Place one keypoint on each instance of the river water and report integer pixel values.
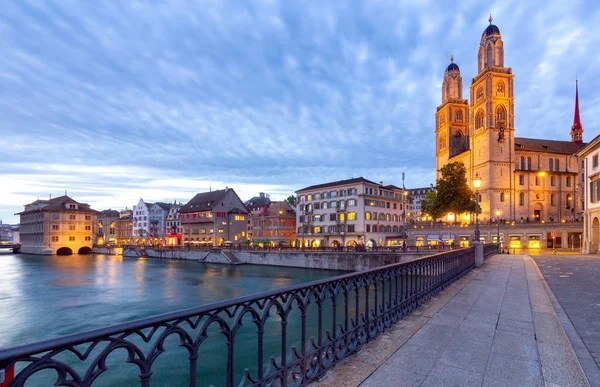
(44, 297)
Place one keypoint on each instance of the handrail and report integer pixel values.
(408, 285)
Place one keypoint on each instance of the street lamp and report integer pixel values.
(404, 195)
(498, 222)
(477, 185)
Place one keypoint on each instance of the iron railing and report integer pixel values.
(315, 325)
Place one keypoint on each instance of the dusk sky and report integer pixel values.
(117, 100)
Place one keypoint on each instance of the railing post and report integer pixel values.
(7, 375)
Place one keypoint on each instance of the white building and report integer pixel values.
(174, 230)
(141, 222)
(590, 179)
(350, 212)
(413, 206)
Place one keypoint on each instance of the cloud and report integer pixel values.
(163, 100)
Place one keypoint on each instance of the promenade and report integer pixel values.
(495, 327)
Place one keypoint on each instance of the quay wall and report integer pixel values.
(307, 259)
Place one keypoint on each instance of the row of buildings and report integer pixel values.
(522, 179)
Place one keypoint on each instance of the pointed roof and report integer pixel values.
(576, 129)
(204, 201)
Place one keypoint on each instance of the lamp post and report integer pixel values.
(477, 185)
(498, 222)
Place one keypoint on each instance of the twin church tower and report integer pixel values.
(522, 178)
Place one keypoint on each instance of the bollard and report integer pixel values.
(7, 376)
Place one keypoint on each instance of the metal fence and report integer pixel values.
(316, 325)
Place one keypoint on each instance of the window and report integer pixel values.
(55, 227)
(553, 181)
(569, 199)
(550, 164)
(71, 239)
(479, 119)
(568, 181)
(317, 206)
(332, 217)
(529, 163)
(521, 199)
(500, 87)
(72, 227)
(537, 180)
(88, 238)
(342, 217)
(351, 202)
(368, 228)
(88, 217)
(459, 116)
(239, 217)
(556, 164)
(522, 162)
(72, 217)
(55, 239)
(367, 215)
(374, 216)
(502, 196)
(521, 179)
(350, 228)
(553, 199)
(500, 114)
(480, 93)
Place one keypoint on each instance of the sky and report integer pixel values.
(119, 100)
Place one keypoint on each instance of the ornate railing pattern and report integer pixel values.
(316, 324)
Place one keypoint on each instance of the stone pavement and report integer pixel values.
(574, 281)
(495, 327)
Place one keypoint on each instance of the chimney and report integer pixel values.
(261, 194)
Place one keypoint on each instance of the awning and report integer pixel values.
(433, 237)
(448, 236)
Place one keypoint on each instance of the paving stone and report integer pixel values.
(505, 370)
(392, 377)
(414, 358)
(435, 336)
(467, 354)
(515, 344)
(445, 375)
(560, 366)
(476, 331)
(486, 317)
(516, 311)
(506, 324)
(548, 329)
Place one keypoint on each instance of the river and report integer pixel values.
(43, 297)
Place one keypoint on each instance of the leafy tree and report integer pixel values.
(291, 199)
(452, 194)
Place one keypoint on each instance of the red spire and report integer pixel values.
(576, 129)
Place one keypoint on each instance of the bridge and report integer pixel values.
(15, 247)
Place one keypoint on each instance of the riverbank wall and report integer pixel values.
(315, 260)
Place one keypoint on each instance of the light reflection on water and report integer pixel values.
(43, 297)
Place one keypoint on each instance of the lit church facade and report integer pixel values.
(522, 178)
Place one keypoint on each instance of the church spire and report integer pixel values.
(576, 129)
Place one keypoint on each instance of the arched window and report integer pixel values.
(479, 93)
(500, 87)
(459, 116)
(550, 164)
(529, 163)
(479, 120)
(556, 165)
(537, 180)
(488, 56)
(502, 196)
(388, 217)
(395, 229)
(367, 215)
(522, 162)
(521, 179)
(395, 219)
(500, 113)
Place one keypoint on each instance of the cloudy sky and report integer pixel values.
(117, 100)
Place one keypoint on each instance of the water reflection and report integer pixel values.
(43, 297)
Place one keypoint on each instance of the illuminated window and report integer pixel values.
(367, 215)
(317, 229)
(352, 216)
(342, 217)
(239, 217)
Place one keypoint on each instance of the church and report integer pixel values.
(522, 179)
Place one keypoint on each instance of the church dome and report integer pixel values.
(452, 67)
(490, 30)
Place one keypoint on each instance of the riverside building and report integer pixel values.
(350, 212)
(524, 179)
(57, 226)
(214, 218)
(275, 225)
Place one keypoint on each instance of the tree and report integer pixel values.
(452, 194)
(291, 199)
